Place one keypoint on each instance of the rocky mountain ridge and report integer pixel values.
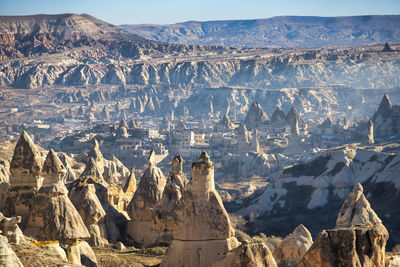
(78, 36)
(284, 31)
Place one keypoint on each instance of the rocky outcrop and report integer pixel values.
(87, 256)
(92, 169)
(72, 166)
(4, 171)
(359, 238)
(52, 215)
(293, 247)
(83, 196)
(356, 211)
(130, 185)
(53, 170)
(255, 116)
(141, 208)
(7, 255)
(203, 232)
(9, 228)
(112, 171)
(294, 115)
(386, 119)
(163, 219)
(26, 164)
(369, 133)
(355, 246)
(278, 117)
(253, 254)
(224, 124)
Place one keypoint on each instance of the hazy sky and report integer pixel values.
(171, 11)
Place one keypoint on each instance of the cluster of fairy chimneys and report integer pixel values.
(256, 116)
(39, 199)
(189, 215)
(28, 169)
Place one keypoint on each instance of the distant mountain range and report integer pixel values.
(25, 36)
(286, 31)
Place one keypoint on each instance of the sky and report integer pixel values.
(171, 11)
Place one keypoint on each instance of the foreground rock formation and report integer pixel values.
(359, 238)
(39, 196)
(293, 247)
(203, 232)
(7, 255)
(84, 198)
(26, 164)
(52, 215)
(163, 218)
(141, 208)
(253, 254)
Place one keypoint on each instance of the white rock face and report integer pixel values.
(332, 171)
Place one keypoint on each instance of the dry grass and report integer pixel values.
(32, 255)
(109, 257)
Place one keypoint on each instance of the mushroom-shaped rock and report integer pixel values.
(203, 232)
(26, 164)
(53, 170)
(356, 210)
(294, 246)
(249, 254)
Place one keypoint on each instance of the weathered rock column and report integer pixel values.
(203, 232)
(25, 180)
(359, 238)
(141, 208)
